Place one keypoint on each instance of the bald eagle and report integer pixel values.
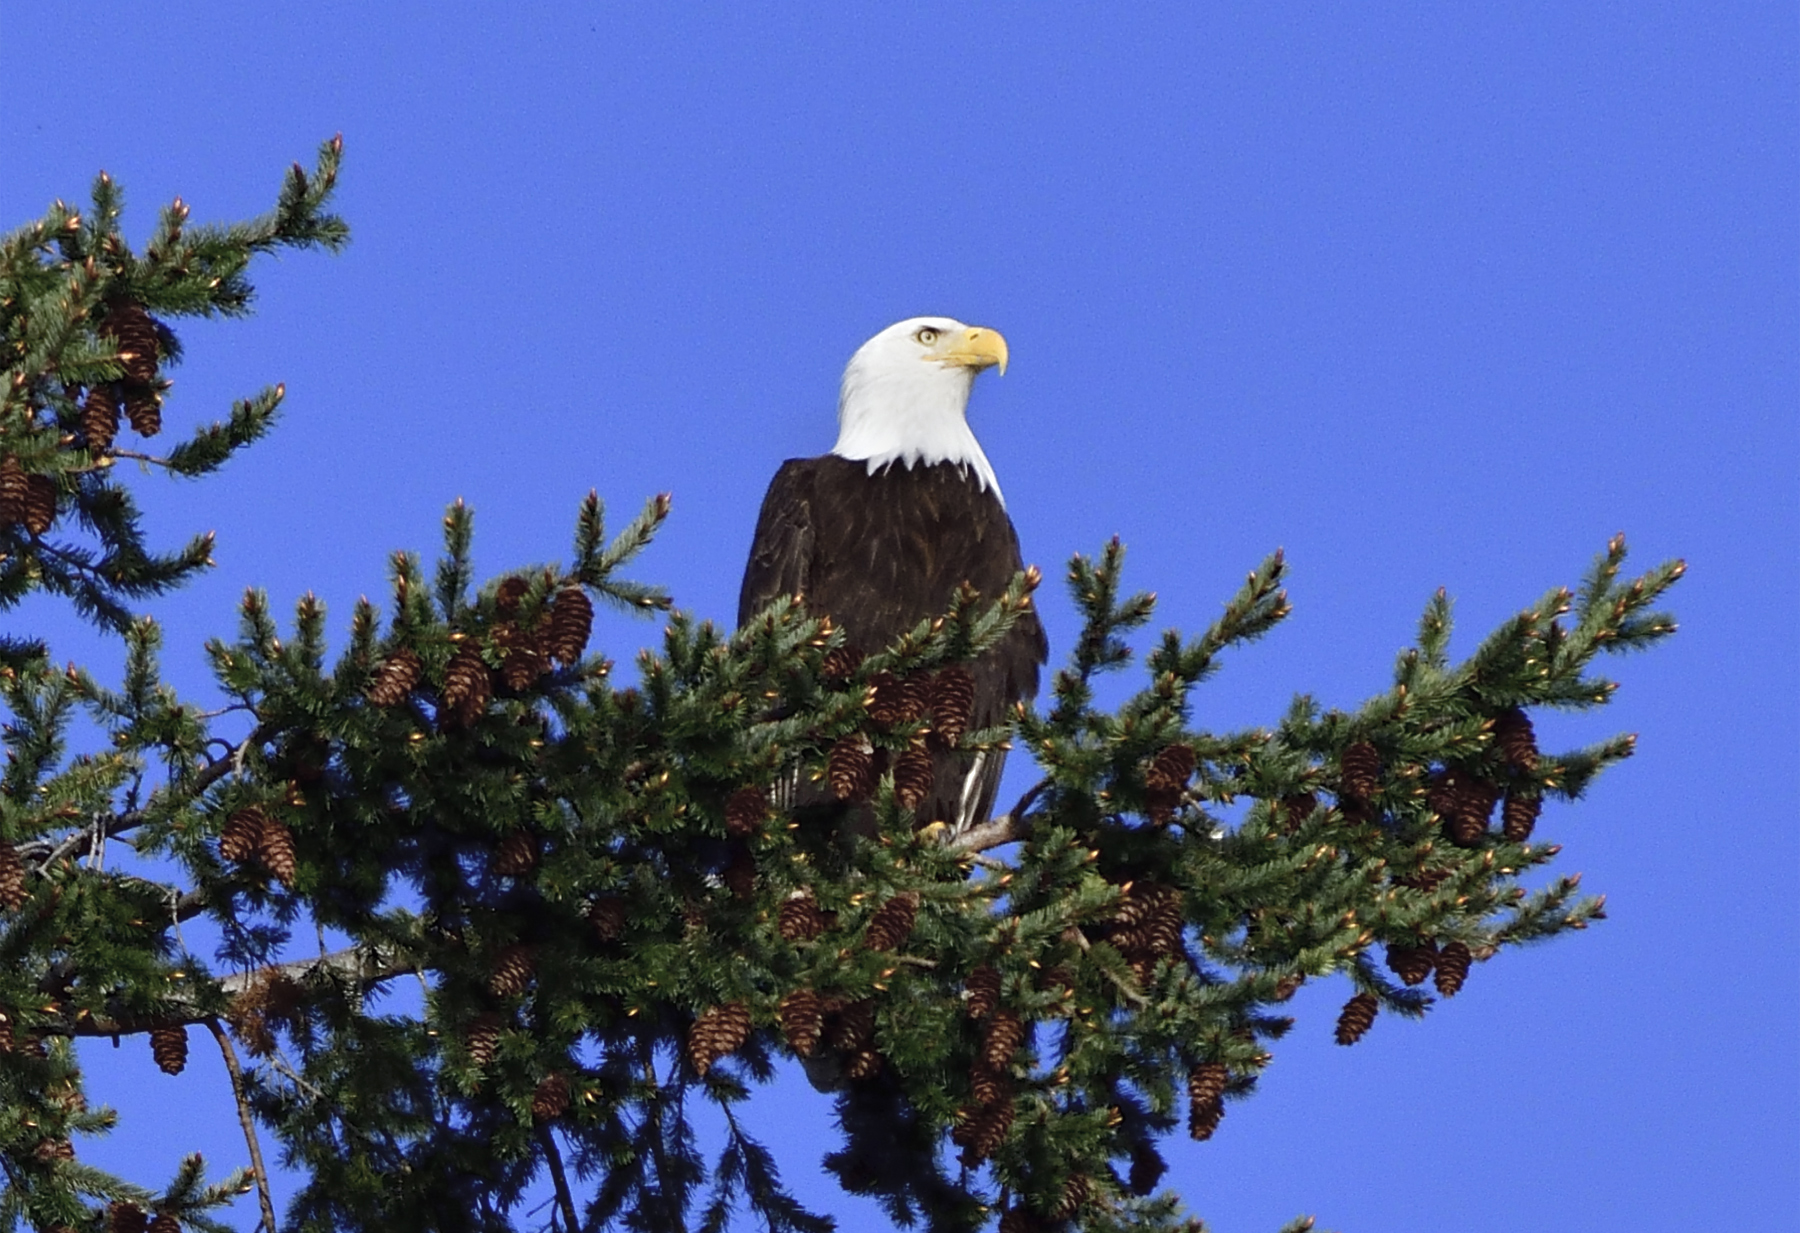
(880, 533)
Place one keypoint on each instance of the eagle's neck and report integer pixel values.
(916, 414)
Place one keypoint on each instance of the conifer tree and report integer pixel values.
(584, 869)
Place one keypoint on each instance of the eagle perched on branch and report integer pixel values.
(880, 533)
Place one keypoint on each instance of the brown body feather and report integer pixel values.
(878, 554)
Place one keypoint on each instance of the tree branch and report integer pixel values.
(249, 1123)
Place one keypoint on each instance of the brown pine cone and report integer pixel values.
(952, 703)
(1518, 817)
(522, 658)
(984, 1131)
(169, 1046)
(1516, 740)
(893, 922)
(851, 769)
(570, 624)
(1359, 769)
(607, 915)
(718, 1031)
(100, 418)
(1018, 1220)
(745, 811)
(984, 992)
(1296, 809)
(275, 849)
(1412, 964)
(1452, 968)
(800, 918)
(802, 1018)
(1004, 1036)
(6, 1035)
(1464, 803)
(1075, 1195)
(988, 1086)
(467, 687)
(482, 1040)
(1171, 768)
(515, 855)
(840, 663)
(15, 488)
(144, 409)
(863, 1064)
(853, 1026)
(899, 701)
(1288, 985)
(40, 504)
(126, 1218)
(48, 1150)
(135, 334)
(164, 1222)
(1357, 1017)
(912, 778)
(398, 674)
(1204, 1117)
(551, 1099)
(510, 594)
(1206, 1081)
(242, 835)
(12, 878)
(513, 969)
(740, 872)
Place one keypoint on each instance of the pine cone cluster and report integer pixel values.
(126, 1218)
(718, 1031)
(1518, 817)
(899, 700)
(1206, 1098)
(1359, 770)
(1412, 964)
(1516, 740)
(1147, 926)
(893, 922)
(571, 622)
(169, 1046)
(26, 499)
(100, 418)
(515, 855)
(251, 833)
(396, 679)
(912, 778)
(1464, 803)
(513, 969)
(802, 1016)
(1452, 968)
(851, 769)
(467, 687)
(1167, 775)
(952, 704)
(12, 878)
(984, 992)
(745, 811)
(135, 334)
(981, 1129)
(551, 1099)
(1357, 1017)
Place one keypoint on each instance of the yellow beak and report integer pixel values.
(977, 347)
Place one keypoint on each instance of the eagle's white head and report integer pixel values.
(906, 392)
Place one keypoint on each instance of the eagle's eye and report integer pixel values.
(926, 335)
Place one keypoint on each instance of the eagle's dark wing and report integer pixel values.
(781, 553)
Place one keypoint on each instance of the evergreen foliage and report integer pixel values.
(608, 917)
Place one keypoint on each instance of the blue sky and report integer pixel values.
(1426, 295)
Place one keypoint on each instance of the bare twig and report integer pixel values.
(564, 1199)
(249, 1123)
